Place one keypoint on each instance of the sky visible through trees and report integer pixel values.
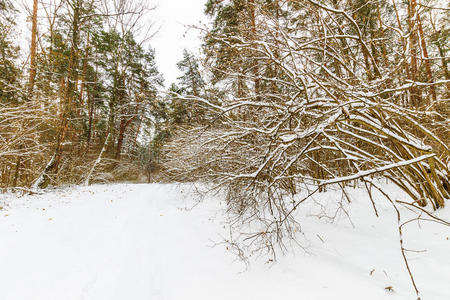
(273, 102)
(170, 34)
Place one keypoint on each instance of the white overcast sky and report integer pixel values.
(171, 17)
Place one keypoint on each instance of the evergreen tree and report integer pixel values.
(229, 64)
(132, 82)
(191, 81)
(9, 72)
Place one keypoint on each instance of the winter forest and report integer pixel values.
(290, 109)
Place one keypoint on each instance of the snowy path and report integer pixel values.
(137, 242)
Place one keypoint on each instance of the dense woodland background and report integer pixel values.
(287, 98)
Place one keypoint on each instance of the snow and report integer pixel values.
(143, 241)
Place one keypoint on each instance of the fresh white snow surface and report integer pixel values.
(139, 241)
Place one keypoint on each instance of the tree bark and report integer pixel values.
(412, 20)
(252, 10)
(97, 161)
(33, 50)
(425, 57)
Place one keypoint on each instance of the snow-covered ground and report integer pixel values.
(135, 242)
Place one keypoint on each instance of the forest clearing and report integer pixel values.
(128, 241)
(308, 140)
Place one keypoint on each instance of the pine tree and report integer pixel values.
(9, 71)
(191, 81)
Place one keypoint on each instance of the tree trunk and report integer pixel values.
(425, 57)
(412, 19)
(91, 113)
(123, 127)
(83, 76)
(17, 170)
(97, 161)
(120, 139)
(252, 9)
(33, 50)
